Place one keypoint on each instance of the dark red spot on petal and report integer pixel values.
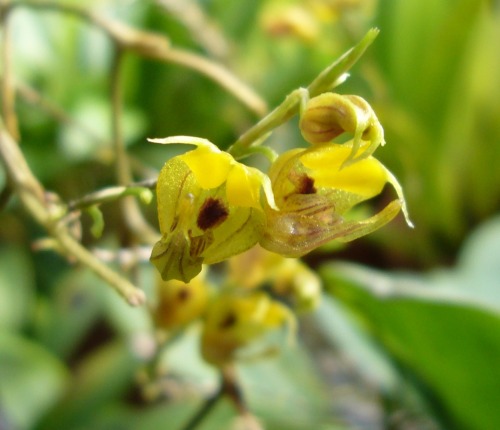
(212, 213)
(229, 321)
(305, 185)
(183, 294)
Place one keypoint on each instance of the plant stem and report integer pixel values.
(230, 388)
(205, 409)
(153, 46)
(8, 93)
(32, 196)
(329, 78)
(111, 194)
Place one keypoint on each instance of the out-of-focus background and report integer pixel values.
(408, 333)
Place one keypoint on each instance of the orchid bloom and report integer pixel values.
(209, 208)
(314, 192)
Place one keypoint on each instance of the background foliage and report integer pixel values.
(409, 333)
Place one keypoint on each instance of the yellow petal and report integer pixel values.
(209, 165)
(179, 303)
(243, 186)
(365, 177)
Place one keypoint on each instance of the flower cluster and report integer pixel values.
(212, 207)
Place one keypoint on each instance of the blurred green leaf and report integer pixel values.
(172, 415)
(16, 287)
(63, 320)
(31, 380)
(448, 341)
(368, 357)
(437, 96)
(285, 392)
(89, 136)
(101, 377)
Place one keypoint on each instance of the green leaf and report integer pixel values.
(16, 287)
(31, 380)
(449, 342)
(285, 392)
(100, 379)
(63, 320)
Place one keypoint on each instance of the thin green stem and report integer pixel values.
(230, 388)
(7, 84)
(329, 78)
(110, 194)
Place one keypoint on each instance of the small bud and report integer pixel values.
(329, 115)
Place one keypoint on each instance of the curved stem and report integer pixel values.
(112, 193)
(328, 79)
(32, 196)
(154, 46)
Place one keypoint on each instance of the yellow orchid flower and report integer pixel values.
(313, 192)
(236, 322)
(209, 208)
(329, 115)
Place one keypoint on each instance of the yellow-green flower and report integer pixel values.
(314, 193)
(209, 208)
(179, 303)
(235, 323)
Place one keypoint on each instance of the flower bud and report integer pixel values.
(329, 115)
(289, 278)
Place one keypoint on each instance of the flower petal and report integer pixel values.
(209, 165)
(243, 186)
(365, 177)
